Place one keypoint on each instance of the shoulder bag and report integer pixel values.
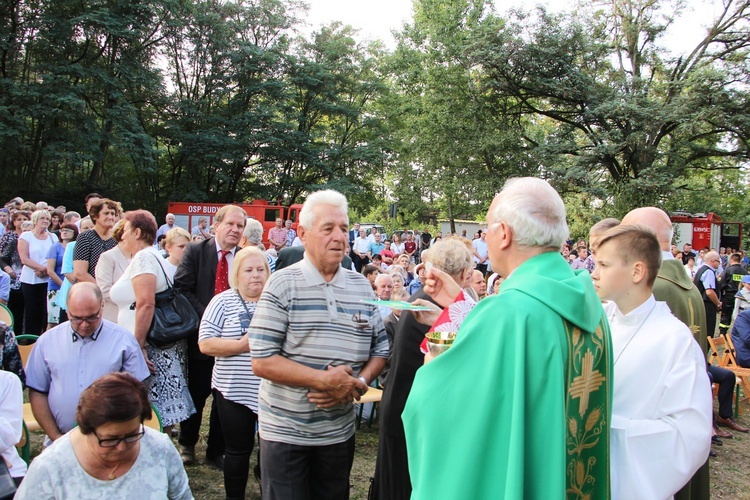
(174, 317)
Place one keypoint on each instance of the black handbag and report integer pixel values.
(174, 317)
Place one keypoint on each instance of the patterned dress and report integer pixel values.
(168, 389)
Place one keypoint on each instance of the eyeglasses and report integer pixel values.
(112, 442)
(89, 319)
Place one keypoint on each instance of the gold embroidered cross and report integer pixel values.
(586, 383)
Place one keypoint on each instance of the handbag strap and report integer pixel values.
(166, 278)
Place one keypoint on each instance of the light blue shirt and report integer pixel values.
(63, 364)
(67, 267)
(4, 285)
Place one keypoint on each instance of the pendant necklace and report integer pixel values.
(112, 472)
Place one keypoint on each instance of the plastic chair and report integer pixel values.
(6, 316)
(24, 445)
(155, 421)
(25, 344)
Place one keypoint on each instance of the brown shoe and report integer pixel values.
(729, 422)
(722, 434)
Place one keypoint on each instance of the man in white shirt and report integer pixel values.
(662, 412)
(481, 253)
(359, 250)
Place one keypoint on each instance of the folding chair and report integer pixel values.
(742, 374)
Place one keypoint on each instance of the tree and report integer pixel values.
(628, 120)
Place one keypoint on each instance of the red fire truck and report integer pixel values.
(186, 214)
(705, 231)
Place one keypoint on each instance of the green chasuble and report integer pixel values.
(519, 406)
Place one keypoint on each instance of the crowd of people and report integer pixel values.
(583, 363)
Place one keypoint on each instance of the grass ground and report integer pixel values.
(729, 478)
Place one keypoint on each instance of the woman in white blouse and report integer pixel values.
(33, 247)
(223, 334)
(134, 293)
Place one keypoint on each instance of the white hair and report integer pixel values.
(326, 197)
(253, 230)
(534, 211)
(382, 277)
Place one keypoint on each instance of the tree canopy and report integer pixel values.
(207, 100)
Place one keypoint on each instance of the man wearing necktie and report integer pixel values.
(203, 272)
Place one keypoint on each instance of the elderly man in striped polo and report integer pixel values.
(317, 347)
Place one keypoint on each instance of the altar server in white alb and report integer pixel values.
(661, 410)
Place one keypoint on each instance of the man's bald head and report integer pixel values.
(84, 292)
(654, 218)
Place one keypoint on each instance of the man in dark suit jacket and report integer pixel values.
(353, 233)
(292, 255)
(196, 278)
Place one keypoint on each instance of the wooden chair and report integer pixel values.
(25, 344)
(730, 363)
(6, 316)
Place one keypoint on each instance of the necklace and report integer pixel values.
(634, 333)
(111, 475)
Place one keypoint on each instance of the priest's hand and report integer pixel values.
(440, 286)
(426, 317)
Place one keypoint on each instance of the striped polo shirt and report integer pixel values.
(317, 324)
(226, 317)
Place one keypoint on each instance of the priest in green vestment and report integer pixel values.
(519, 406)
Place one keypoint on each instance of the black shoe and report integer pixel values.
(712, 454)
(717, 441)
(217, 461)
(187, 453)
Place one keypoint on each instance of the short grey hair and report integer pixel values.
(253, 231)
(382, 277)
(534, 211)
(451, 256)
(326, 197)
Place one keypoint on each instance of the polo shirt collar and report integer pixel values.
(313, 276)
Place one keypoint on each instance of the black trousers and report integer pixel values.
(16, 306)
(710, 318)
(392, 480)
(199, 385)
(297, 472)
(35, 308)
(727, 308)
(726, 380)
(238, 425)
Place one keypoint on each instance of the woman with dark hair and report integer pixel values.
(33, 247)
(56, 220)
(55, 314)
(111, 454)
(134, 293)
(91, 244)
(11, 264)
